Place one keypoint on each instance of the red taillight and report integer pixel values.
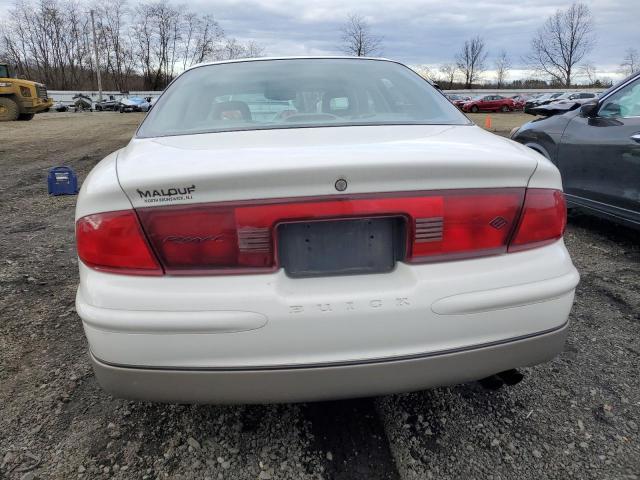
(114, 242)
(466, 224)
(240, 237)
(208, 238)
(543, 219)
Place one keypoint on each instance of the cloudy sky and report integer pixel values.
(417, 32)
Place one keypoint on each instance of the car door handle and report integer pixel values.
(636, 137)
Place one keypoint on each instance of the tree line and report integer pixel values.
(140, 48)
(558, 55)
(143, 47)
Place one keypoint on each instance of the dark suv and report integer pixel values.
(596, 146)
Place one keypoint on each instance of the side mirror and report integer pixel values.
(589, 109)
(437, 86)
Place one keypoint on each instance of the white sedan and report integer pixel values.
(314, 228)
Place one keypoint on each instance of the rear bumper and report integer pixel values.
(272, 385)
(272, 321)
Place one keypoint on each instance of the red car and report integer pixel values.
(489, 103)
(457, 100)
(519, 101)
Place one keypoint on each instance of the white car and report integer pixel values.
(314, 228)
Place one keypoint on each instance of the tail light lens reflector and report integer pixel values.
(466, 224)
(543, 219)
(114, 242)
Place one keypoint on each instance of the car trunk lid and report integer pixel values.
(324, 201)
(300, 162)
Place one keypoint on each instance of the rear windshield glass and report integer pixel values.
(266, 94)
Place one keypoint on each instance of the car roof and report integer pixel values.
(304, 57)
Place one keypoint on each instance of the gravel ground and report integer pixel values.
(575, 417)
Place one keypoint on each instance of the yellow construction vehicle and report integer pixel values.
(20, 99)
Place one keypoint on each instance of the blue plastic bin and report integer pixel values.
(62, 181)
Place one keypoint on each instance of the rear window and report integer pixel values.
(267, 94)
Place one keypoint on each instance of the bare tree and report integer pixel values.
(231, 50)
(357, 39)
(562, 42)
(115, 46)
(253, 50)
(141, 47)
(144, 38)
(201, 37)
(589, 72)
(424, 71)
(164, 18)
(171, 38)
(631, 62)
(206, 36)
(449, 71)
(503, 65)
(471, 60)
(46, 41)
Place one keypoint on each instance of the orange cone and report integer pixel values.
(487, 122)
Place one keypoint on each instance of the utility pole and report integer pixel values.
(95, 51)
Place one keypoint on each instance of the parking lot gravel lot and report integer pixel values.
(575, 417)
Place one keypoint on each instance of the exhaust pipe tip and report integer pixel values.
(491, 383)
(511, 377)
(508, 377)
